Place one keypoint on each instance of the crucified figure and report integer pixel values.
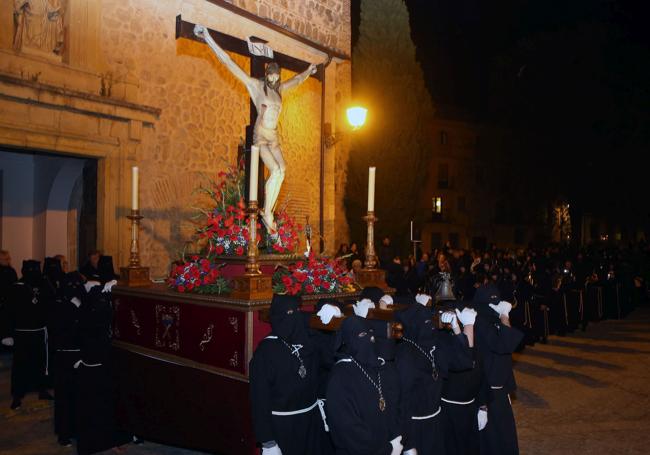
(266, 94)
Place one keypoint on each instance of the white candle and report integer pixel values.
(134, 188)
(411, 230)
(371, 189)
(252, 185)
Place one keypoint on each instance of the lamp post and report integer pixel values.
(356, 116)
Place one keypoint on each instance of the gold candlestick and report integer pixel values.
(252, 267)
(253, 284)
(370, 275)
(371, 257)
(134, 258)
(135, 275)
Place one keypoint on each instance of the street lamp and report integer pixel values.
(356, 116)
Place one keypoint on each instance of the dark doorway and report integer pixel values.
(88, 212)
(48, 205)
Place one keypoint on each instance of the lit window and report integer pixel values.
(437, 204)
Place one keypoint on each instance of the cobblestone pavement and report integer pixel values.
(585, 393)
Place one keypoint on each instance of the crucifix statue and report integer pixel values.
(266, 95)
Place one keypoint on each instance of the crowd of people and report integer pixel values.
(555, 290)
(441, 387)
(58, 324)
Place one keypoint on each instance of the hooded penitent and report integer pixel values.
(359, 341)
(286, 319)
(418, 325)
(31, 272)
(373, 293)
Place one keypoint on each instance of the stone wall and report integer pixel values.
(132, 55)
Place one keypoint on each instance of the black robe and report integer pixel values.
(64, 331)
(96, 430)
(358, 426)
(7, 279)
(422, 423)
(27, 312)
(276, 386)
(495, 344)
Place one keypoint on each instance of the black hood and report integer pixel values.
(373, 293)
(73, 285)
(31, 272)
(359, 341)
(286, 319)
(418, 325)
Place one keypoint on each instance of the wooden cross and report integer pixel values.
(258, 63)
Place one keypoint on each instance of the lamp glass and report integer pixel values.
(357, 116)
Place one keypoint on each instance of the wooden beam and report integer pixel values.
(278, 28)
(185, 30)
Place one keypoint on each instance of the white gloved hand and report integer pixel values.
(411, 452)
(482, 419)
(503, 308)
(423, 299)
(361, 308)
(327, 312)
(8, 341)
(275, 450)
(75, 301)
(91, 284)
(397, 446)
(467, 316)
(109, 285)
(449, 317)
(385, 302)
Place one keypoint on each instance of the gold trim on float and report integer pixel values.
(180, 361)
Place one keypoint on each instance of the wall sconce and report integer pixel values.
(356, 118)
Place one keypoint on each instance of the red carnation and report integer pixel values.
(218, 249)
(239, 250)
(309, 288)
(181, 288)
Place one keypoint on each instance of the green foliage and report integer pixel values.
(397, 138)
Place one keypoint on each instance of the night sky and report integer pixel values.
(571, 79)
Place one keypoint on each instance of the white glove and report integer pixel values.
(397, 446)
(411, 452)
(467, 316)
(76, 301)
(327, 312)
(503, 308)
(482, 419)
(385, 302)
(361, 308)
(423, 299)
(275, 450)
(8, 341)
(449, 317)
(109, 285)
(91, 284)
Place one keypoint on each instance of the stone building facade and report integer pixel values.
(107, 80)
(472, 198)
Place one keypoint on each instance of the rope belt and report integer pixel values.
(47, 349)
(462, 403)
(81, 362)
(431, 416)
(321, 407)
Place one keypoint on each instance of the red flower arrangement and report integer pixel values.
(226, 228)
(285, 239)
(199, 275)
(313, 276)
